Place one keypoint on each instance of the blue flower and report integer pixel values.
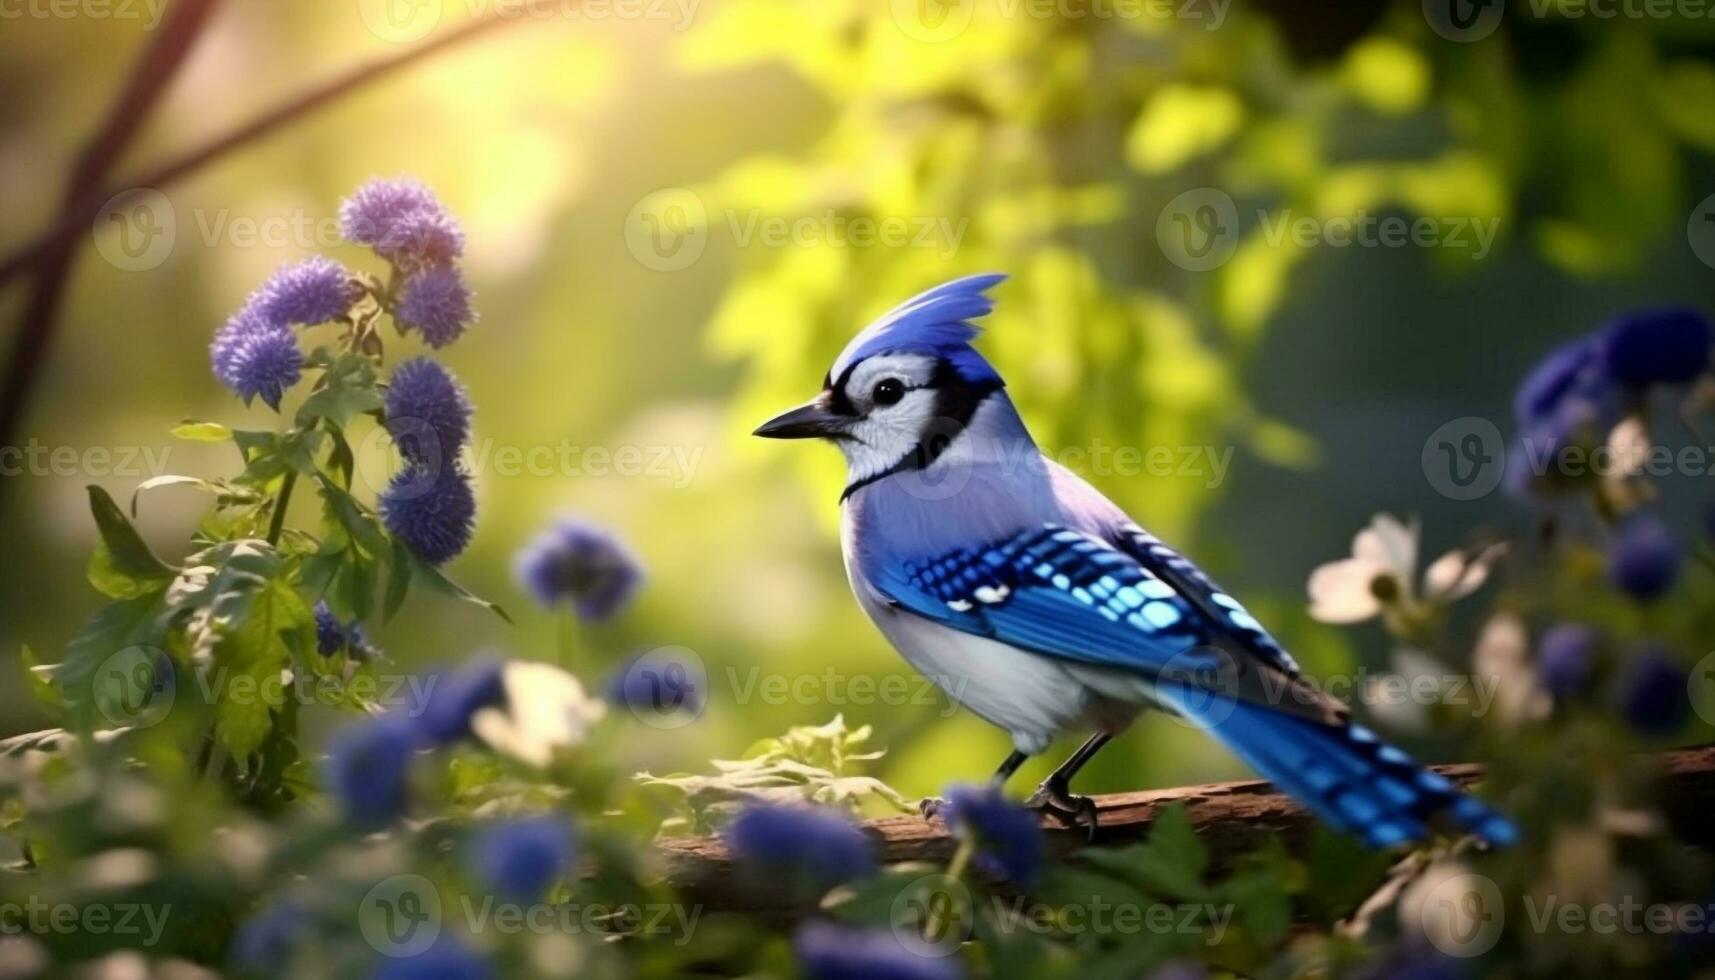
(580, 564)
(1573, 369)
(256, 359)
(436, 302)
(264, 942)
(421, 239)
(431, 510)
(428, 412)
(1664, 346)
(313, 291)
(657, 682)
(519, 859)
(374, 211)
(808, 845)
(1009, 837)
(1644, 558)
(830, 952)
(1566, 659)
(453, 697)
(446, 959)
(1653, 694)
(368, 767)
(330, 635)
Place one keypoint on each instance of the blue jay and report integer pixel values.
(1035, 602)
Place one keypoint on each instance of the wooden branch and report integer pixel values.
(1229, 817)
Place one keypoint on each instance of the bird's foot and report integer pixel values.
(930, 807)
(1058, 801)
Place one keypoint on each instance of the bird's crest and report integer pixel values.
(933, 322)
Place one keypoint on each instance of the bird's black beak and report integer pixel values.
(812, 420)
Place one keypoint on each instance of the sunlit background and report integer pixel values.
(665, 204)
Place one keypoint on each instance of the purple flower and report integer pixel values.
(313, 291)
(1572, 369)
(808, 845)
(330, 635)
(453, 697)
(519, 859)
(436, 302)
(580, 564)
(264, 942)
(1653, 695)
(422, 239)
(1664, 346)
(1566, 659)
(1644, 559)
(432, 510)
(428, 412)
(374, 211)
(256, 359)
(1009, 838)
(367, 768)
(447, 958)
(830, 952)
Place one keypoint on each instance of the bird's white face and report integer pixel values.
(892, 398)
(888, 413)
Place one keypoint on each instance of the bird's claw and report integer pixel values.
(1059, 802)
(930, 807)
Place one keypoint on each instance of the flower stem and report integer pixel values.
(566, 643)
(278, 522)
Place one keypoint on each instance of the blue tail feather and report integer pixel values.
(1344, 773)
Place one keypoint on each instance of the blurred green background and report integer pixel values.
(616, 167)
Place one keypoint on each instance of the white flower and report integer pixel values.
(1501, 660)
(546, 709)
(1382, 571)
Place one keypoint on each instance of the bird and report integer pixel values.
(1036, 603)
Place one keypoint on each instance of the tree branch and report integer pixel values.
(1229, 817)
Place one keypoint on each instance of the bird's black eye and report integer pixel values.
(888, 391)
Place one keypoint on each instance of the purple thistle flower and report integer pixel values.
(1644, 559)
(256, 359)
(313, 291)
(519, 859)
(1665, 346)
(330, 635)
(1566, 659)
(1653, 694)
(1572, 369)
(422, 239)
(367, 768)
(374, 211)
(581, 564)
(447, 957)
(807, 845)
(831, 952)
(264, 942)
(428, 412)
(454, 696)
(658, 682)
(1009, 838)
(436, 302)
(431, 510)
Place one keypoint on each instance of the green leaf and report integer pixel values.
(201, 431)
(40, 685)
(1170, 863)
(438, 581)
(122, 567)
(255, 651)
(351, 517)
(398, 580)
(126, 623)
(347, 390)
(223, 490)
